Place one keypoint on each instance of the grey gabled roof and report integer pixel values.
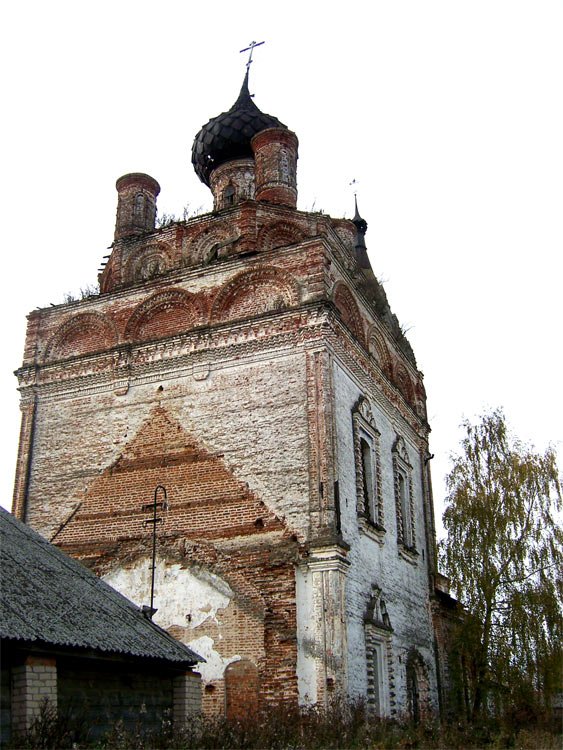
(47, 597)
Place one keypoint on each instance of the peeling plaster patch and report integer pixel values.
(185, 598)
(215, 664)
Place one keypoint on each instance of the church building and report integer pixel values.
(247, 361)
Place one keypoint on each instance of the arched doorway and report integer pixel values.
(242, 689)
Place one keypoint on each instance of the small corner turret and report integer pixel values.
(360, 245)
(136, 204)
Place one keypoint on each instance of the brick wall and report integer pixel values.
(242, 690)
(34, 686)
(99, 695)
(210, 513)
(186, 697)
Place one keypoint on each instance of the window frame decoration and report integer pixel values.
(379, 657)
(404, 497)
(369, 495)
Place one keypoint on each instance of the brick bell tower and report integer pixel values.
(246, 359)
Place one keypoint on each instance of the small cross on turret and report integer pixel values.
(251, 48)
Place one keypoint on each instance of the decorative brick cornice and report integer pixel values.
(180, 354)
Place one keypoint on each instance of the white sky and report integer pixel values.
(448, 113)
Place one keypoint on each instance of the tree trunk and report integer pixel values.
(482, 661)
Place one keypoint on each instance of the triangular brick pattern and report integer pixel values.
(208, 510)
(206, 501)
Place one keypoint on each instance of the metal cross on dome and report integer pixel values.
(251, 48)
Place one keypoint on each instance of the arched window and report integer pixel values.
(404, 496)
(139, 206)
(368, 477)
(379, 663)
(229, 196)
(368, 469)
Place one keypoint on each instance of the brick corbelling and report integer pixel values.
(43, 323)
(349, 311)
(342, 270)
(113, 277)
(116, 310)
(111, 363)
(226, 341)
(291, 258)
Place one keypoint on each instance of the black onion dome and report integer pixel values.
(227, 136)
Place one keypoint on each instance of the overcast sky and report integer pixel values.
(447, 113)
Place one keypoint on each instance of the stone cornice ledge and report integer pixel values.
(327, 557)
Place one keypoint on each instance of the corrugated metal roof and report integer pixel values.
(47, 596)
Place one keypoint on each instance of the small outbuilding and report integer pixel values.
(71, 641)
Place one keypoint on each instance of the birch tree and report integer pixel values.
(504, 554)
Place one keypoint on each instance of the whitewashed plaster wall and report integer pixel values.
(404, 584)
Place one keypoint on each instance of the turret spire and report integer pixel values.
(361, 229)
(245, 97)
(244, 100)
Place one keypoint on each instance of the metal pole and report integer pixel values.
(154, 521)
